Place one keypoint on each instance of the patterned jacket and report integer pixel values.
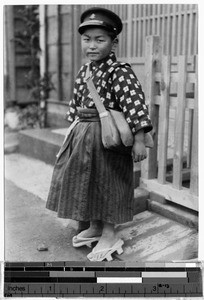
(118, 88)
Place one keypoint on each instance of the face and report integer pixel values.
(96, 44)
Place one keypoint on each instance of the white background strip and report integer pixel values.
(164, 274)
(119, 280)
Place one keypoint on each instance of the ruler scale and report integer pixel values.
(106, 279)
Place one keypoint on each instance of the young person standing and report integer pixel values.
(91, 183)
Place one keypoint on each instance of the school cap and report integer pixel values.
(100, 17)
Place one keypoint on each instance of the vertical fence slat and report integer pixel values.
(154, 19)
(144, 27)
(179, 28)
(139, 46)
(168, 33)
(195, 34)
(152, 55)
(194, 158)
(190, 30)
(148, 19)
(179, 123)
(190, 134)
(164, 119)
(185, 27)
(174, 32)
(129, 33)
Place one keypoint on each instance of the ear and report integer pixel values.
(114, 44)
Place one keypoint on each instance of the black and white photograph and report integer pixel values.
(101, 132)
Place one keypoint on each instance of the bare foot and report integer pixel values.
(108, 238)
(94, 230)
(106, 242)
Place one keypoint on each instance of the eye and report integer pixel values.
(85, 39)
(100, 40)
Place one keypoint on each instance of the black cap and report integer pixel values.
(100, 17)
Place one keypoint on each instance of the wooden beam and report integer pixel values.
(194, 152)
(182, 197)
(164, 119)
(152, 57)
(179, 125)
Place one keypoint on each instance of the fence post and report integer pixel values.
(152, 62)
(179, 123)
(164, 118)
(194, 153)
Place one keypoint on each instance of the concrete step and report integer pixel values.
(42, 144)
(11, 142)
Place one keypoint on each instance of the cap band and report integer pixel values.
(98, 23)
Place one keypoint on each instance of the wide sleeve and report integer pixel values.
(128, 92)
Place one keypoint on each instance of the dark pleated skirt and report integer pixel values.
(90, 182)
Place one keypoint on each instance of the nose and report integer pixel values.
(92, 45)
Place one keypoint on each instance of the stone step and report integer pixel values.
(11, 142)
(42, 144)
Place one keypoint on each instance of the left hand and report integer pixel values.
(139, 152)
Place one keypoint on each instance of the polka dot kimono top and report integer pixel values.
(118, 88)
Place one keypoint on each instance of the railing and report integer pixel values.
(172, 95)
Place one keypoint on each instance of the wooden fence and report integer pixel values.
(172, 87)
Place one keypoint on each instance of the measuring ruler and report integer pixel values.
(102, 279)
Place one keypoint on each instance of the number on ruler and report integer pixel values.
(101, 289)
(154, 289)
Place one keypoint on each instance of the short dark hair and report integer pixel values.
(112, 35)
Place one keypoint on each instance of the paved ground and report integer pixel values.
(149, 237)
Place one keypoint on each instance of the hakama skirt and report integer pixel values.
(90, 182)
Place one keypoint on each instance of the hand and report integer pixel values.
(139, 152)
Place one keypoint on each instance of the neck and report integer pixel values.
(98, 62)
